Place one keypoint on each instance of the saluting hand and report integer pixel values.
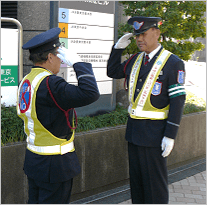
(67, 56)
(124, 41)
(167, 146)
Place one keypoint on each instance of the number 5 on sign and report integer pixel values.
(63, 15)
(64, 30)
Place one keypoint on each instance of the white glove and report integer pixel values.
(167, 145)
(67, 56)
(124, 41)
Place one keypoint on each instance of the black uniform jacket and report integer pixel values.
(149, 133)
(59, 168)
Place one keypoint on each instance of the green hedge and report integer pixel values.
(193, 104)
(12, 127)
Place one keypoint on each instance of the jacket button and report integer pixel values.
(138, 90)
(140, 80)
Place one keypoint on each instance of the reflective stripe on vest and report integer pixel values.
(39, 139)
(142, 108)
(53, 150)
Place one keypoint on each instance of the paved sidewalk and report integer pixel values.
(191, 190)
(187, 185)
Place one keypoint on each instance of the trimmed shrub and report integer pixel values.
(12, 127)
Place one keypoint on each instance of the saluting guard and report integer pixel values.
(155, 81)
(46, 104)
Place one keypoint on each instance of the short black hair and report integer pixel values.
(41, 57)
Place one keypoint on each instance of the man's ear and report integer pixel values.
(50, 57)
(158, 33)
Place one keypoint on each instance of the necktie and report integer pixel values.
(146, 60)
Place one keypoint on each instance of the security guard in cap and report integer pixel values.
(155, 79)
(46, 104)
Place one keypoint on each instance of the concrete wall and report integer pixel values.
(35, 19)
(191, 139)
(13, 180)
(103, 157)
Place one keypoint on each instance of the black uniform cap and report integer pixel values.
(142, 24)
(43, 42)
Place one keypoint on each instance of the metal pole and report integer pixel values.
(54, 14)
(20, 43)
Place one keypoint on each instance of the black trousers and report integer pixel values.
(148, 175)
(49, 193)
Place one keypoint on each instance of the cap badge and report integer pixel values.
(138, 25)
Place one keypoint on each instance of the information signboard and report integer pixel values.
(91, 34)
(87, 27)
(9, 66)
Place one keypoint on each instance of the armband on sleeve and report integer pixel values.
(176, 90)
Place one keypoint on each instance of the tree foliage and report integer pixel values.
(182, 22)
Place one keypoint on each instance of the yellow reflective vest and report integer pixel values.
(39, 139)
(141, 108)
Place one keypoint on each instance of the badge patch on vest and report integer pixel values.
(181, 75)
(157, 88)
(25, 96)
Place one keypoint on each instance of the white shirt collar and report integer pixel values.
(151, 55)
